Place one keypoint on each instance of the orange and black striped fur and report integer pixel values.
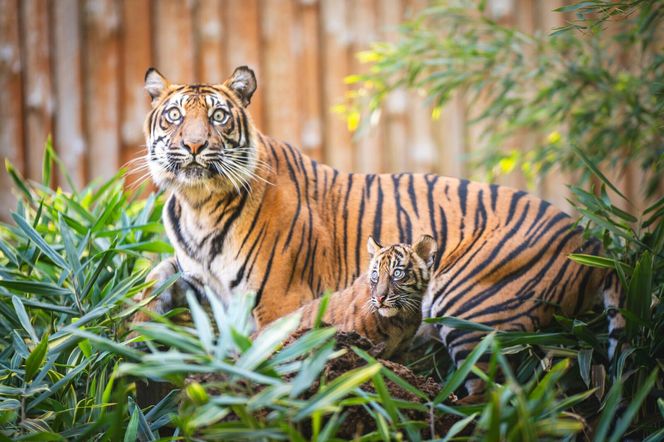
(248, 213)
(384, 304)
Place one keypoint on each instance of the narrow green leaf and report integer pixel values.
(462, 372)
(460, 324)
(633, 408)
(610, 407)
(591, 165)
(23, 318)
(132, 428)
(201, 321)
(36, 358)
(37, 239)
(337, 389)
(458, 427)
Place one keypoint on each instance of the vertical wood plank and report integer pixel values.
(37, 87)
(68, 137)
(210, 41)
(368, 145)
(243, 49)
(281, 52)
(396, 105)
(136, 59)
(450, 131)
(309, 76)
(335, 47)
(102, 89)
(174, 40)
(552, 187)
(11, 124)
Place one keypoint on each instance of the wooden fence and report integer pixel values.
(74, 69)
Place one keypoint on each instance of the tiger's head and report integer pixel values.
(399, 275)
(201, 134)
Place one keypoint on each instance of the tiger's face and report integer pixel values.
(399, 275)
(201, 134)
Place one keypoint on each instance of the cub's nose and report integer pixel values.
(381, 298)
(194, 146)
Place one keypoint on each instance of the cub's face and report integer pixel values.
(399, 275)
(201, 134)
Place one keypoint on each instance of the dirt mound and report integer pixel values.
(357, 420)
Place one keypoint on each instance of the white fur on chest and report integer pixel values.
(219, 272)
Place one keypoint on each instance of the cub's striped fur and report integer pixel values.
(250, 214)
(385, 303)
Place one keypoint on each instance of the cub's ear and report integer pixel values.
(242, 83)
(155, 84)
(426, 249)
(373, 246)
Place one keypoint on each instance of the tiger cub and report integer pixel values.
(383, 304)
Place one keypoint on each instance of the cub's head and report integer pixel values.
(201, 134)
(399, 275)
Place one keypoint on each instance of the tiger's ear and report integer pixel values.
(373, 246)
(155, 84)
(426, 249)
(242, 83)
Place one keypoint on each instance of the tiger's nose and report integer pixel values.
(381, 298)
(194, 146)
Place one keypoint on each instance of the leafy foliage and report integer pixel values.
(596, 83)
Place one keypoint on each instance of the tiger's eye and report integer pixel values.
(398, 274)
(173, 114)
(374, 276)
(220, 116)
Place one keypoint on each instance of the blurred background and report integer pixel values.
(74, 69)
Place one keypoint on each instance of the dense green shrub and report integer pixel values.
(597, 83)
(71, 262)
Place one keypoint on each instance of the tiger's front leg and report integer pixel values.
(171, 297)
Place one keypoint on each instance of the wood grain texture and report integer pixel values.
(37, 85)
(11, 112)
(102, 91)
(68, 137)
(136, 58)
(75, 68)
(243, 48)
(281, 57)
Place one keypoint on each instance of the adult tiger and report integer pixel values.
(248, 213)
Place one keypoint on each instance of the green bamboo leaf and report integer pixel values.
(458, 427)
(322, 308)
(36, 358)
(584, 358)
(47, 162)
(268, 340)
(155, 246)
(460, 324)
(591, 165)
(639, 293)
(132, 428)
(462, 372)
(24, 318)
(593, 261)
(337, 389)
(37, 239)
(19, 181)
(311, 369)
(201, 322)
(633, 408)
(610, 407)
(35, 288)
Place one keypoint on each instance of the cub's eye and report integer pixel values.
(397, 274)
(220, 116)
(374, 276)
(173, 114)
